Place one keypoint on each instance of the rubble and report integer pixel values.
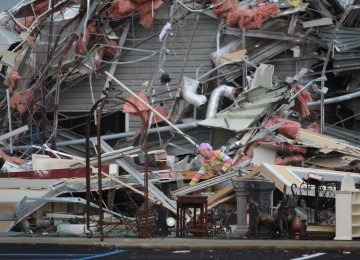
(110, 101)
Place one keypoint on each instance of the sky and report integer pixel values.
(7, 4)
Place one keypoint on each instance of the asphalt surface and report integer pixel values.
(80, 252)
(175, 243)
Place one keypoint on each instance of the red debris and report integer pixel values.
(120, 8)
(26, 22)
(127, 108)
(83, 41)
(13, 78)
(11, 159)
(245, 18)
(289, 128)
(314, 127)
(292, 148)
(301, 101)
(22, 101)
(41, 7)
(162, 111)
(146, 8)
(289, 160)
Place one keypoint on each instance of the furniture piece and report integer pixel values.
(197, 225)
(347, 210)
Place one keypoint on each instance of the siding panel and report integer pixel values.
(136, 73)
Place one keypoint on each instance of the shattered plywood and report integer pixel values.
(326, 144)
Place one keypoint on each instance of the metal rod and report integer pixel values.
(106, 137)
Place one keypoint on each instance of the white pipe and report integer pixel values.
(151, 108)
(189, 87)
(217, 93)
(335, 99)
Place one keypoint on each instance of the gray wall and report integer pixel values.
(133, 75)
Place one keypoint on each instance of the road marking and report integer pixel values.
(181, 252)
(308, 256)
(62, 256)
(46, 256)
(103, 255)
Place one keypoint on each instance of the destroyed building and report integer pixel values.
(104, 102)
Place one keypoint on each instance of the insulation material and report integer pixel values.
(13, 78)
(83, 41)
(292, 149)
(247, 18)
(110, 51)
(162, 111)
(146, 19)
(25, 22)
(41, 7)
(289, 160)
(314, 127)
(127, 108)
(301, 101)
(147, 10)
(11, 159)
(289, 128)
(98, 57)
(224, 9)
(22, 101)
(120, 8)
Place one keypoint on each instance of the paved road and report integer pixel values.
(43, 251)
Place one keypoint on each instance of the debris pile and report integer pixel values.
(105, 106)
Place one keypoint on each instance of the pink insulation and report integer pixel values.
(162, 111)
(301, 101)
(110, 51)
(292, 148)
(289, 160)
(225, 8)
(127, 108)
(13, 78)
(22, 101)
(26, 22)
(11, 159)
(146, 8)
(83, 41)
(245, 18)
(41, 7)
(314, 127)
(120, 8)
(289, 128)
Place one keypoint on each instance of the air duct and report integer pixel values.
(189, 87)
(220, 91)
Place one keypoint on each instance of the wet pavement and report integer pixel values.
(145, 249)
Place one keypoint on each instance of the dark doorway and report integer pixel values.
(76, 121)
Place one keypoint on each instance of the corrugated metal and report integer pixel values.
(239, 118)
(343, 134)
(235, 120)
(134, 75)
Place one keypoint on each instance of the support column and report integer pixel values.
(241, 207)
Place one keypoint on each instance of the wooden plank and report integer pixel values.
(221, 201)
(220, 194)
(188, 175)
(228, 189)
